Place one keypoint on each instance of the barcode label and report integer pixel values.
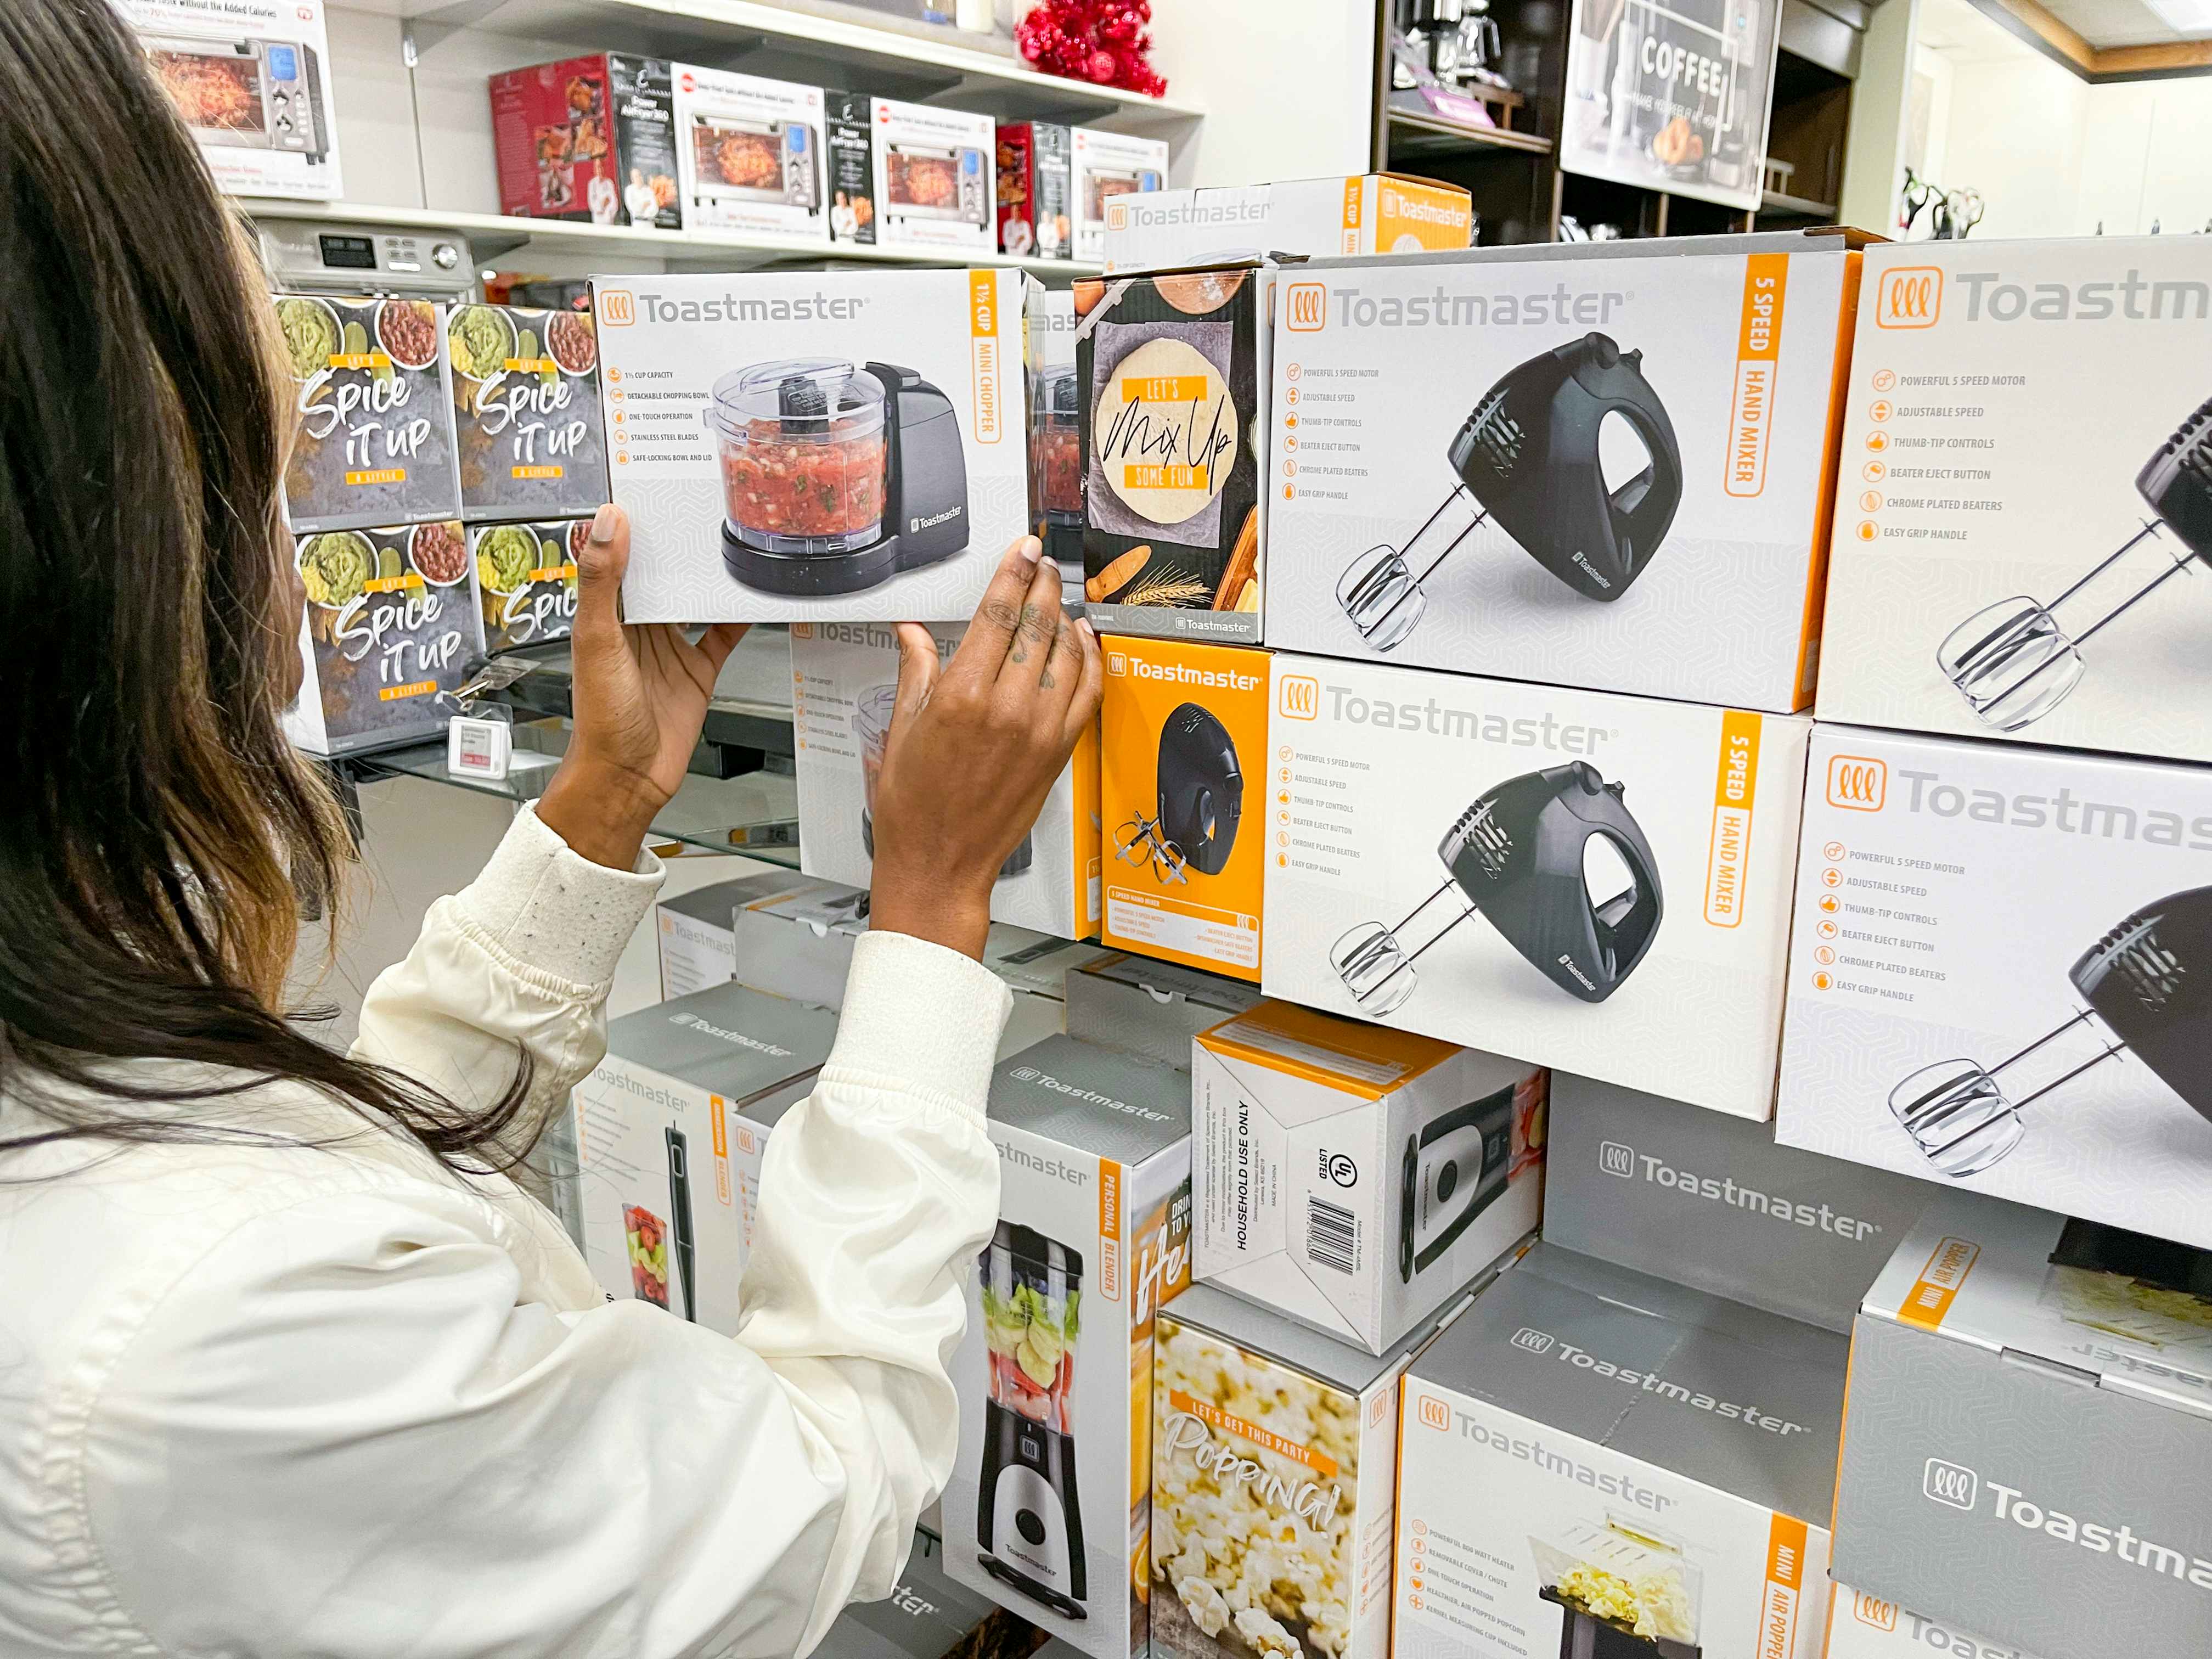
(1332, 1234)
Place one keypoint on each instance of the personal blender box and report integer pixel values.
(849, 149)
(1103, 167)
(1035, 216)
(1588, 881)
(696, 934)
(590, 137)
(1624, 484)
(251, 80)
(749, 155)
(2029, 1432)
(374, 418)
(2028, 468)
(1149, 1006)
(1275, 1469)
(1594, 1461)
(845, 688)
(1056, 437)
(1363, 213)
(1048, 1509)
(655, 1132)
(1173, 374)
(525, 579)
(815, 445)
(1862, 1626)
(1713, 1202)
(1180, 725)
(389, 629)
(1993, 970)
(934, 185)
(1352, 1177)
(527, 416)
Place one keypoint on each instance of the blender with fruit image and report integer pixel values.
(646, 1236)
(1028, 1520)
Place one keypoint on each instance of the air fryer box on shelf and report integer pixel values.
(1363, 213)
(2029, 1433)
(849, 149)
(1991, 973)
(1595, 1461)
(1149, 1007)
(590, 137)
(1049, 1505)
(1275, 1465)
(1585, 880)
(251, 79)
(390, 627)
(1861, 1626)
(1182, 728)
(1036, 217)
(845, 686)
(933, 177)
(1103, 167)
(749, 152)
(1710, 1201)
(2028, 451)
(657, 1123)
(1353, 1178)
(813, 444)
(374, 439)
(697, 932)
(525, 579)
(1623, 484)
(527, 419)
(1172, 369)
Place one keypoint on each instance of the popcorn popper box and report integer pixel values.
(1596, 1462)
(375, 420)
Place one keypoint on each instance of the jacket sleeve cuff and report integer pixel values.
(922, 1016)
(555, 911)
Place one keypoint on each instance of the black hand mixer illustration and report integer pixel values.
(2148, 985)
(1199, 800)
(1516, 855)
(2015, 661)
(1527, 456)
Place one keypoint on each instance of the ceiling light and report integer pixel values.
(2184, 16)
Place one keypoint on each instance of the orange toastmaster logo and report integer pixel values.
(1309, 306)
(1435, 1412)
(618, 309)
(1910, 296)
(1301, 697)
(1857, 783)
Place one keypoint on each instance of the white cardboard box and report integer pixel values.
(742, 507)
(1957, 904)
(251, 79)
(936, 173)
(1149, 1007)
(749, 154)
(1354, 1178)
(1603, 465)
(1105, 166)
(1632, 859)
(2012, 413)
(1362, 212)
(1861, 1626)
(697, 932)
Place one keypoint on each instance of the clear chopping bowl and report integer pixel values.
(1056, 443)
(801, 442)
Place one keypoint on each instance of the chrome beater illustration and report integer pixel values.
(1199, 800)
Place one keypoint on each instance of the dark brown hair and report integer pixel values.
(155, 817)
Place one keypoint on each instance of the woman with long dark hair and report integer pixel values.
(288, 1363)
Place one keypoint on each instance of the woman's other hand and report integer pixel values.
(975, 747)
(640, 701)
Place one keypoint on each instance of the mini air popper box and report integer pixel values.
(2025, 499)
(1996, 971)
(1363, 213)
(251, 79)
(1603, 1465)
(1353, 1178)
(1182, 729)
(1604, 466)
(845, 689)
(1584, 880)
(1048, 1509)
(845, 445)
(749, 154)
(1862, 1626)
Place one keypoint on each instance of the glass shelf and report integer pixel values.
(750, 707)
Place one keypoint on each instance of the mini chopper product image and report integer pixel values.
(1029, 1523)
(1637, 443)
(251, 79)
(1527, 456)
(1631, 859)
(1198, 801)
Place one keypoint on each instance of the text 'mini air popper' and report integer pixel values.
(1029, 1523)
(1527, 456)
(1198, 804)
(1522, 856)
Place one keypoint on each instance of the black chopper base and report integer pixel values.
(1060, 1604)
(823, 572)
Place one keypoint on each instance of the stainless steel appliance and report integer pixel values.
(315, 256)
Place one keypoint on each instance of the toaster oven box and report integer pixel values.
(1991, 969)
(374, 430)
(845, 686)
(590, 137)
(251, 79)
(932, 176)
(526, 415)
(1628, 487)
(655, 1135)
(1048, 1509)
(389, 629)
(1352, 1177)
(1275, 1465)
(1361, 213)
(1149, 1007)
(696, 932)
(1596, 1462)
(1173, 372)
(525, 579)
(749, 155)
(807, 445)
(1103, 167)
(1588, 881)
(2027, 452)
(1179, 728)
(2029, 1433)
(1862, 1626)
(1035, 214)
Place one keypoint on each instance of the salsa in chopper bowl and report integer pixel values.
(801, 444)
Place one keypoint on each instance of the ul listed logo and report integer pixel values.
(1857, 783)
(1951, 1484)
(1339, 1168)
(1616, 1158)
(1308, 304)
(1910, 296)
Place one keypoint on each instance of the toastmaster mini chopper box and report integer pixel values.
(1182, 728)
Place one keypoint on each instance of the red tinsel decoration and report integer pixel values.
(1103, 41)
